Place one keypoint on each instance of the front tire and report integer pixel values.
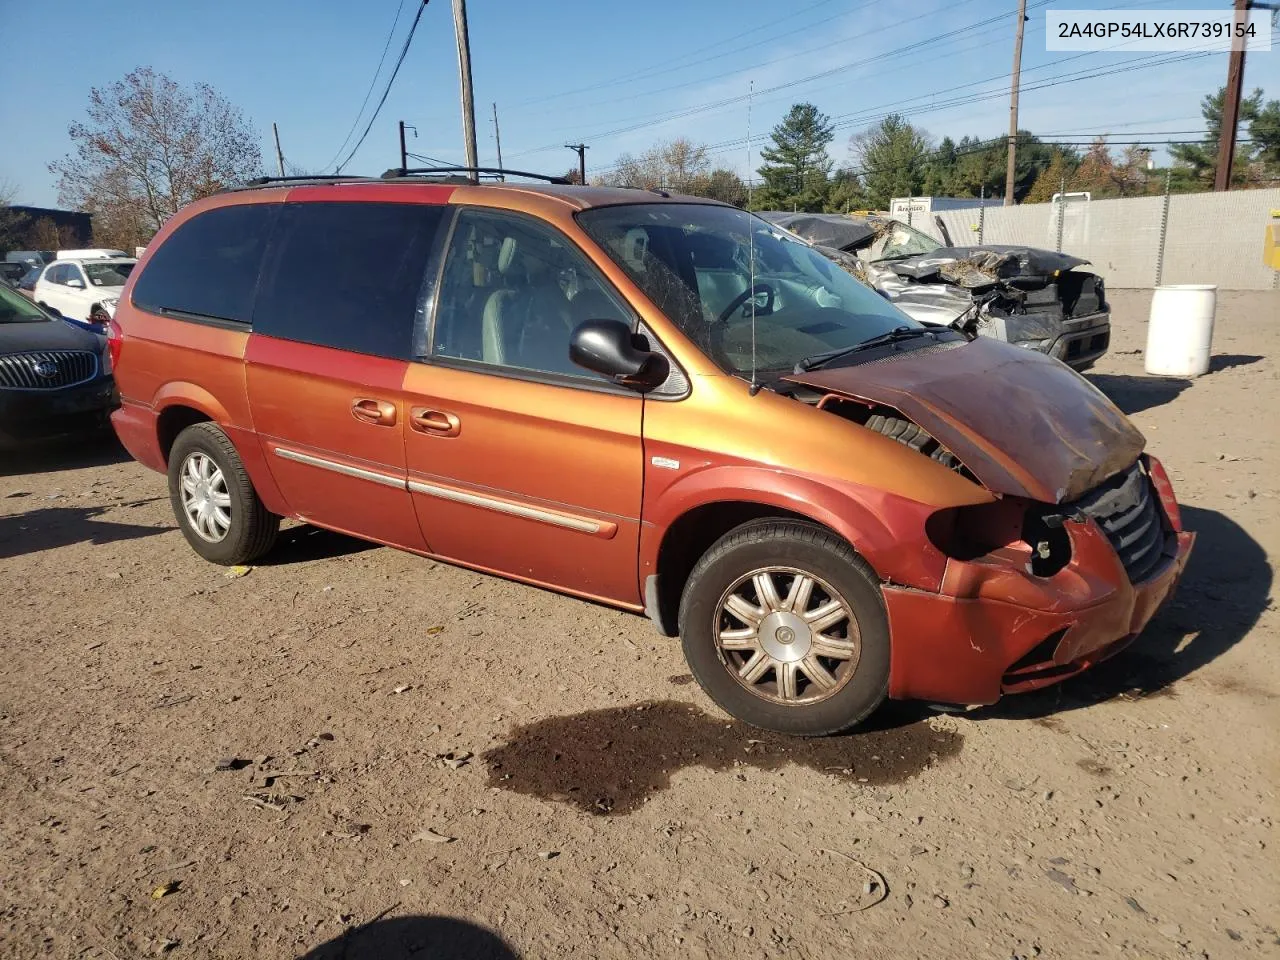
(214, 501)
(784, 627)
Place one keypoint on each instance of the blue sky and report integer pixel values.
(618, 76)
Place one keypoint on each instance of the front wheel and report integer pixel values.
(784, 627)
(214, 500)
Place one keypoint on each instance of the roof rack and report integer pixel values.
(395, 173)
(258, 182)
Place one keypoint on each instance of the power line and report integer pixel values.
(702, 108)
(368, 93)
(404, 51)
(852, 120)
(649, 71)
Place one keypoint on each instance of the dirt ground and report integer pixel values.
(353, 752)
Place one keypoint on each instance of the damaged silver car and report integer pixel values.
(1031, 298)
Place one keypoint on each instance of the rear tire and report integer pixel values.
(213, 499)
(784, 627)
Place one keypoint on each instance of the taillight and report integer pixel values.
(114, 342)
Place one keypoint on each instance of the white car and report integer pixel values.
(80, 289)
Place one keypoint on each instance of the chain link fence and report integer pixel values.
(1137, 242)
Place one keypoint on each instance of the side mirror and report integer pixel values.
(609, 347)
(75, 284)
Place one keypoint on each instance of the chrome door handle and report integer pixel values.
(437, 422)
(378, 412)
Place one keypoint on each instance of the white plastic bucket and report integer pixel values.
(1180, 332)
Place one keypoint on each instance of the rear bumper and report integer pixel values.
(27, 415)
(994, 629)
(135, 425)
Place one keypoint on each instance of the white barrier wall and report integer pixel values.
(1208, 238)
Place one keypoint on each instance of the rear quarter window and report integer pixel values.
(348, 275)
(209, 266)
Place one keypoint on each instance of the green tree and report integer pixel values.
(893, 155)
(1196, 164)
(795, 168)
(1264, 131)
(845, 193)
(1049, 180)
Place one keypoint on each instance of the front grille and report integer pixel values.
(1125, 508)
(47, 369)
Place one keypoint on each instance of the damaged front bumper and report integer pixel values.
(996, 628)
(1077, 342)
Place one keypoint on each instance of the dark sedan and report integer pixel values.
(55, 379)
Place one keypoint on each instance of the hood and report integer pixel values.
(1026, 425)
(46, 335)
(984, 264)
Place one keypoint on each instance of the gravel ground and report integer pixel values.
(349, 751)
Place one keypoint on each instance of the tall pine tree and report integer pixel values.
(795, 168)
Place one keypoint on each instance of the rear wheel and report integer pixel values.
(783, 625)
(214, 501)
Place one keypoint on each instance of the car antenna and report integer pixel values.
(751, 247)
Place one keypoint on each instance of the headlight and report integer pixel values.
(1031, 344)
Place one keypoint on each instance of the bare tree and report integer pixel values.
(151, 146)
(681, 166)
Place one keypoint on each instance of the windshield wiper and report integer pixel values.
(893, 336)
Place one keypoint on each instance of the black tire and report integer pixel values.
(253, 528)
(820, 554)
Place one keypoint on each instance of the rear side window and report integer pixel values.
(348, 275)
(209, 266)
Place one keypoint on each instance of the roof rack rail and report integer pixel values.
(259, 182)
(396, 173)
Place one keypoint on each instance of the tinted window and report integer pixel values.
(512, 293)
(57, 274)
(348, 275)
(210, 265)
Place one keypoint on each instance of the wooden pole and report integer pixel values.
(1013, 105)
(1231, 107)
(464, 75)
(404, 156)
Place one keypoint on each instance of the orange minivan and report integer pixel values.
(656, 402)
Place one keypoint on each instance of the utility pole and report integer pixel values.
(279, 156)
(497, 136)
(1231, 107)
(464, 75)
(1013, 105)
(581, 150)
(404, 156)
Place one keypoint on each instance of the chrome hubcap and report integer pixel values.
(205, 499)
(787, 636)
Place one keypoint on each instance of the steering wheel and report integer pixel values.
(746, 295)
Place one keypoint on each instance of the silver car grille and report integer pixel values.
(47, 369)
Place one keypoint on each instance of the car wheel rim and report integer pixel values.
(205, 498)
(787, 636)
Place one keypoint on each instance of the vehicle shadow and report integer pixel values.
(1133, 394)
(1223, 592)
(51, 527)
(420, 937)
(303, 543)
(94, 450)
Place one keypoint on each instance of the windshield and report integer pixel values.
(108, 274)
(899, 240)
(695, 263)
(15, 308)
